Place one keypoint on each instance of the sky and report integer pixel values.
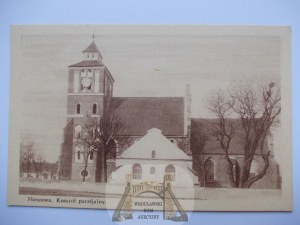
(142, 64)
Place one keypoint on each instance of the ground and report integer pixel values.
(85, 189)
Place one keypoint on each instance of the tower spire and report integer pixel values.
(92, 52)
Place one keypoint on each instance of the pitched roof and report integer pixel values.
(91, 48)
(154, 141)
(200, 129)
(88, 63)
(143, 113)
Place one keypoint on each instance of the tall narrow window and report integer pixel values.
(78, 155)
(78, 108)
(209, 170)
(153, 154)
(94, 133)
(90, 73)
(94, 108)
(253, 169)
(78, 130)
(171, 171)
(137, 171)
(82, 73)
(91, 155)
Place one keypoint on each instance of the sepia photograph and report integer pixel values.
(173, 119)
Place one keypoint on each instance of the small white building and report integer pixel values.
(149, 158)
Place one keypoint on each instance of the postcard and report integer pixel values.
(152, 118)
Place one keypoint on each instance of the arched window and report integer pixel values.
(89, 73)
(209, 167)
(253, 169)
(170, 169)
(94, 108)
(78, 130)
(153, 154)
(78, 108)
(137, 171)
(91, 155)
(82, 73)
(78, 155)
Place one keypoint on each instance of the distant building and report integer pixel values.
(150, 158)
(40, 170)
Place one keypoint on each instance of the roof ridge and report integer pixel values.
(87, 63)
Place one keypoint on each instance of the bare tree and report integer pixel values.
(224, 129)
(257, 111)
(39, 165)
(26, 155)
(101, 135)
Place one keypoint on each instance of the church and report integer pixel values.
(159, 129)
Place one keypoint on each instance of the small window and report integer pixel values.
(171, 171)
(78, 130)
(137, 171)
(94, 108)
(91, 155)
(78, 155)
(82, 73)
(88, 55)
(152, 170)
(253, 169)
(153, 154)
(90, 73)
(78, 108)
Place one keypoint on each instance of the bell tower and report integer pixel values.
(89, 85)
(89, 82)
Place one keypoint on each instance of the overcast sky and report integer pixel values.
(142, 65)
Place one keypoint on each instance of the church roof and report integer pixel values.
(92, 48)
(143, 113)
(88, 63)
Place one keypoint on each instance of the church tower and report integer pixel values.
(89, 85)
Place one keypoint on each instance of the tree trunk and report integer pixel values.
(103, 167)
(249, 182)
(85, 166)
(105, 170)
(98, 167)
(201, 177)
